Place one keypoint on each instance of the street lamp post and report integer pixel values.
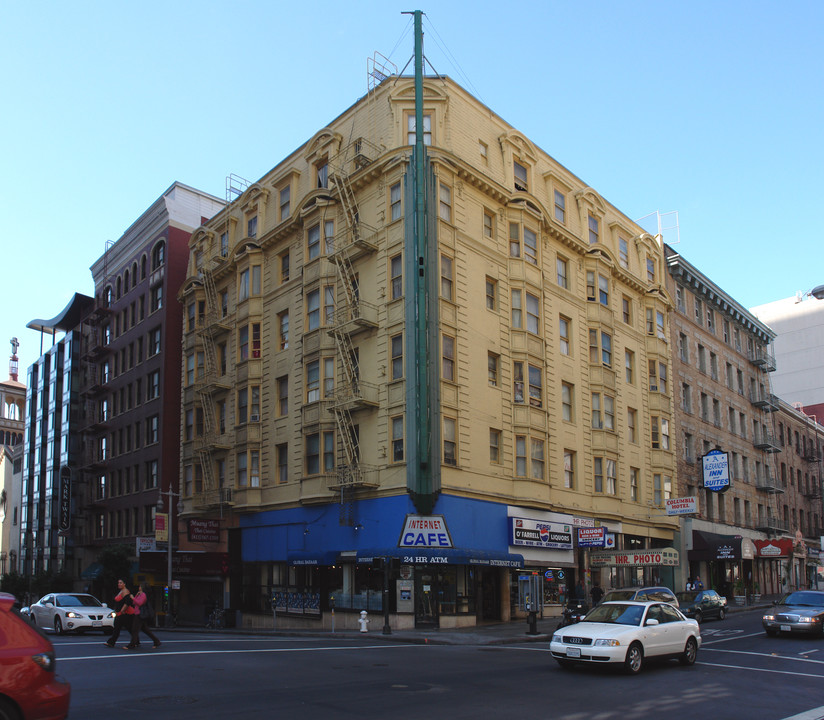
(160, 505)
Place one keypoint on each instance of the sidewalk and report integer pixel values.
(487, 634)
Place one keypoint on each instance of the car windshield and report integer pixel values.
(686, 596)
(617, 614)
(77, 601)
(809, 599)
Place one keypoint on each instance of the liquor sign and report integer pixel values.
(65, 510)
(591, 537)
(716, 466)
(682, 506)
(540, 534)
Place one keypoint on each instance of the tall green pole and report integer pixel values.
(422, 488)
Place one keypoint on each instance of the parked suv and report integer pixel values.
(642, 594)
(28, 686)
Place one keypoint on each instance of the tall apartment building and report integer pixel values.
(798, 520)
(419, 345)
(11, 473)
(130, 386)
(52, 445)
(799, 348)
(722, 365)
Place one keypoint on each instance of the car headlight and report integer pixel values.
(72, 614)
(769, 618)
(556, 638)
(45, 661)
(806, 619)
(607, 642)
(112, 614)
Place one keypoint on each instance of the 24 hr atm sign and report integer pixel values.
(716, 466)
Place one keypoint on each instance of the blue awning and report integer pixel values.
(314, 559)
(444, 556)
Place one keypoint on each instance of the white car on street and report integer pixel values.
(626, 633)
(64, 612)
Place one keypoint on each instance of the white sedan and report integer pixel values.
(62, 612)
(626, 633)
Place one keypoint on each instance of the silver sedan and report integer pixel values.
(799, 612)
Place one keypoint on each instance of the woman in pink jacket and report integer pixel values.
(143, 614)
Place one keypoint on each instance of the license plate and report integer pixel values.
(97, 623)
(785, 628)
(573, 652)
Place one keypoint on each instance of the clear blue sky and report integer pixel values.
(713, 109)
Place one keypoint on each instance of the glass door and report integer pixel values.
(426, 598)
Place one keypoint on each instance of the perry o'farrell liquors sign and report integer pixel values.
(716, 466)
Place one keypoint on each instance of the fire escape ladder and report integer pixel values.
(205, 387)
(349, 285)
(347, 200)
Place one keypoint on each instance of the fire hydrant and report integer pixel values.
(363, 621)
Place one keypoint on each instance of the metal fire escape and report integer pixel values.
(764, 439)
(207, 387)
(352, 316)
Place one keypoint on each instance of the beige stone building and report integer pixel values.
(428, 358)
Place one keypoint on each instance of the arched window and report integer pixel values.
(107, 295)
(158, 255)
(143, 268)
(126, 281)
(118, 285)
(134, 274)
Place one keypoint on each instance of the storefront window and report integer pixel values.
(357, 587)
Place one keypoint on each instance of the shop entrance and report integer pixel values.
(427, 592)
(489, 589)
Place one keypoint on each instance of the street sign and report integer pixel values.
(65, 511)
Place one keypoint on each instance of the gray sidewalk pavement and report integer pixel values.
(516, 631)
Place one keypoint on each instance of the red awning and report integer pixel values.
(777, 547)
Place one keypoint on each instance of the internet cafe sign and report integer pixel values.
(716, 467)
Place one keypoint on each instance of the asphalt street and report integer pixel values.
(499, 671)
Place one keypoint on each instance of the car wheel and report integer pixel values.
(722, 613)
(635, 659)
(772, 632)
(566, 664)
(699, 617)
(690, 652)
(58, 626)
(8, 711)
